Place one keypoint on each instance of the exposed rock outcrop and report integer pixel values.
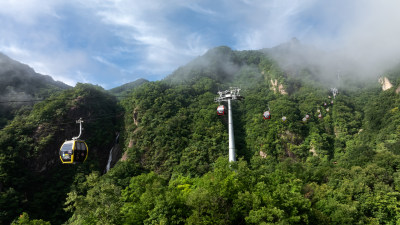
(385, 82)
(313, 151)
(277, 87)
(130, 145)
(135, 117)
(124, 157)
(398, 89)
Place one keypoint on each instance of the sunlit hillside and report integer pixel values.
(333, 160)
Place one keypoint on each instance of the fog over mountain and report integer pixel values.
(17, 79)
(360, 38)
(20, 84)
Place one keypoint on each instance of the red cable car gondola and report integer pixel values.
(267, 115)
(306, 117)
(221, 110)
(320, 114)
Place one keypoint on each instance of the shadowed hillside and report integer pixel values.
(32, 176)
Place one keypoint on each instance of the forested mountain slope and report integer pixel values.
(126, 88)
(342, 168)
(19, 82)
(32, 177)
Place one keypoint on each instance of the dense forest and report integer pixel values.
(339, 168)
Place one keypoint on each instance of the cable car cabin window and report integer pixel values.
(66, 152)
(80, 151)
(78, 146)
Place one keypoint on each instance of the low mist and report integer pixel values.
(357, 40)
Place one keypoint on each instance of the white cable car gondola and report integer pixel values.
(221, 110)
(75, 150)
(306, 117)
(267, 115)
(320, 114)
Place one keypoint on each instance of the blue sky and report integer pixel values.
(112, 42)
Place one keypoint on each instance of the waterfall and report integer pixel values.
(109, 160)
(110, 155)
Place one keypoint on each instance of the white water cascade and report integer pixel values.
(110, 155)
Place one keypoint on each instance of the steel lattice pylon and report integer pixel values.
(227, 96)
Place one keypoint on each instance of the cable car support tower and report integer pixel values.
(228, 96)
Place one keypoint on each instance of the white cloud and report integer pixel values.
(365, 32)
(145, 25)
(104, 61)
(267, 23)
(102, 40)
(29, 11)
(13, 50)
(199, 9)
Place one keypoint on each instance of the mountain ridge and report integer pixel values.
(20, 84)
(20, 72)
(128, 87)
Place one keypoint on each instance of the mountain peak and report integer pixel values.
(128, 86)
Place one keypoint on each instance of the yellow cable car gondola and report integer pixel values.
(75, 150)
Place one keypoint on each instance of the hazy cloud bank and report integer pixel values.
(109, 42)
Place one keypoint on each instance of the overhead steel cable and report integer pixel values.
(56, 99)
(88, 118)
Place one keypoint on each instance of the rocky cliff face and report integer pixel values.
(386, 85)
(277, 88)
